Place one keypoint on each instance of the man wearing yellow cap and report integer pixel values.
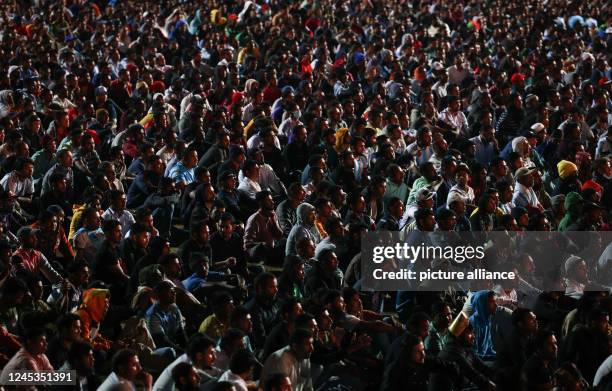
(473, 371)
(568, 178)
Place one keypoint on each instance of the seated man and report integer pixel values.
(263, 231)
(165, 320)
(20, 181)
(31, 357)
(126, 373)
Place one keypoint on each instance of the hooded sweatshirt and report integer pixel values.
(302, 229)
(572, 214)
(92, 312)
(481, 321)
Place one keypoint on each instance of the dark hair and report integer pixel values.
(241, 361)
(230, 336)
(13, 285)
(33, 333)
(222, 386)
(220, 299)
(541, 337)
(331, 296)
(108, 225)
(180, 370)
(198, 344)
(121, 358)
(22, 161)
(262, 279)
(519, 315)
(78, 349)
(417, 318)
(137, 229)
(141, 213)
(299, 336)
(66, 320)
(274, 381)
(239, 313)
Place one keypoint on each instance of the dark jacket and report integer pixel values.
(317, 278)
(400, 376)
(473, 372)
(263, 314)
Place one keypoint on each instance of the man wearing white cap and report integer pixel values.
(524, 195)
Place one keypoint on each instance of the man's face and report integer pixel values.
(417, 354)
(501, 169)
(468, 337)
(82, 276)
(66, 160)
(203, 234)
(268, 203)
(271, 288)
(285, 385)
(141, 240)
(132, 369)
(397, 210)
(27, 170)
(209, 356)
(29, 241)
(530, 323)
(310, 218)
(445, 317)
(168, 296)
(119, 203)
(115, 234)
(192, 380)
(246, 324)
(582, 272)
(491, 304)
(550, 348)
(37, 345)
(191, 159)
(227, 228)
(332, 263)
(448, 224)
(74, 331)
(304, 349)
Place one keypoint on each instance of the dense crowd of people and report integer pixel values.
(185, 186)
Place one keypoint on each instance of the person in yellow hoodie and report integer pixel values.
(250, 48)
(92, 311)
(343, 140)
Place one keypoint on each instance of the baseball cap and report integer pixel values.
(523, 171)
(424, 194)
(538, 127)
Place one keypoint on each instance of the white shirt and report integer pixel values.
(164, 382)
(249, 187)
(21, 187)
(283, 361)
(112, 381)
(458, 120)
(604, 369)
(125, 218)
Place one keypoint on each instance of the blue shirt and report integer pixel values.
(165, 322)
(180, 173)
(194, 281)
(485, 152)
